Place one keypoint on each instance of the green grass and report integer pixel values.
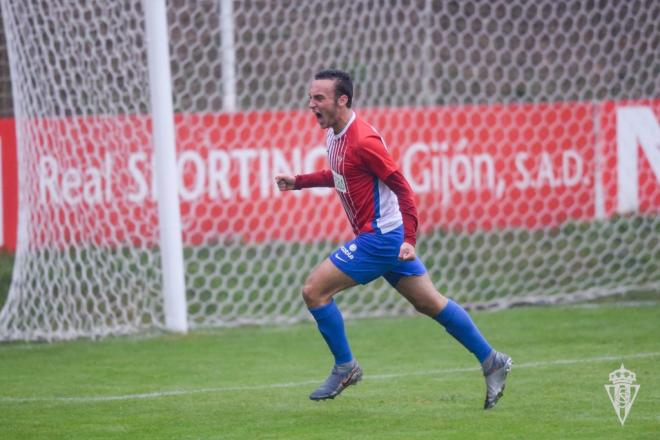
(252, 382)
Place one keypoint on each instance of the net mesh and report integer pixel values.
(503, 115)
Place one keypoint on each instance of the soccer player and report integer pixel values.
(380, 207)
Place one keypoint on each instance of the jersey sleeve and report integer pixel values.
(311, 180)
(376, 158)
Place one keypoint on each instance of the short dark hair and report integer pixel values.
(343, 83)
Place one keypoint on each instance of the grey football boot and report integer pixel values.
(341, 377)
(496, 368)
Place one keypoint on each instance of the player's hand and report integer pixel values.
(407, 252)
(285, 182)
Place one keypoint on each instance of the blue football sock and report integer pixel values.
(331, 325)
(459, 324)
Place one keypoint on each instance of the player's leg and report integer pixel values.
(323, 283)
(420, 292)
(318, 291)
(361, 260)
(319, 288)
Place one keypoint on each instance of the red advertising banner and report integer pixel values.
(8, 184)
(471, 167)
(630, 149)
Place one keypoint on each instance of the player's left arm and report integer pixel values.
(404, 193)
(379, 161)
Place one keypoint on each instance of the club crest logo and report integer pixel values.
(622, 392)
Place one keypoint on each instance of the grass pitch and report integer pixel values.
(252, 383)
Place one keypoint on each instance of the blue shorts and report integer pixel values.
(371, 255)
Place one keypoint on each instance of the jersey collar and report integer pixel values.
(343, 131)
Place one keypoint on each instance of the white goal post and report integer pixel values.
(169, 216)
(518, 125)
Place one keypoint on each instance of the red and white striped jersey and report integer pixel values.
(360, 163)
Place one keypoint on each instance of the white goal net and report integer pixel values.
(529, 131)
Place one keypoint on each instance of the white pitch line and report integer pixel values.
(159, 394)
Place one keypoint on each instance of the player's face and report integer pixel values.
(323, 102)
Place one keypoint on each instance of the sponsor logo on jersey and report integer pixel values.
(340, 183)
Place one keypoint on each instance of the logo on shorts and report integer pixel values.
(349, 252)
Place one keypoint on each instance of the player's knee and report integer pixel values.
(314, 295)
(310, 294)
(430, 306)
(427, 309)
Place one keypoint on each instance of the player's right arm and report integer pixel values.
(286, 182)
